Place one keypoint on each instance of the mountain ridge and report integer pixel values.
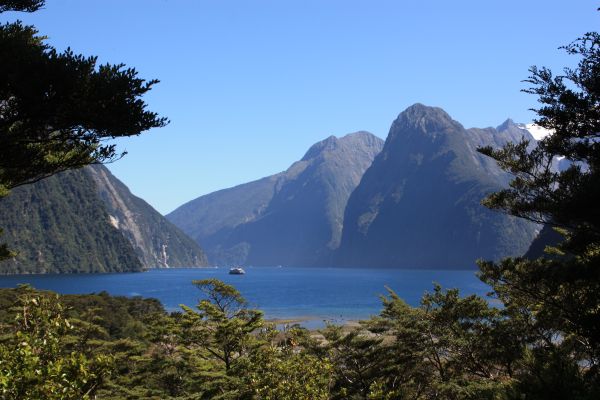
(157, 242)
(293, 217)
(423, 192)
(75, 222)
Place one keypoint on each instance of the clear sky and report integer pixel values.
(249, 85)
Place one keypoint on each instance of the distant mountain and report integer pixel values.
(157, 242)
(291, 218)
(88, 221)
(547, 237)
(418, 205)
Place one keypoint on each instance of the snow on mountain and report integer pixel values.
(537, 131)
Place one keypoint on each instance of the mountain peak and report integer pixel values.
(357, 134)
(356, 140)
(327, 144)
(506, 125)
(361, 138)
(419, 110)
(425, 118)
(418, 204)
(294, 218)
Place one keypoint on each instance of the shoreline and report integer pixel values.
(313, 323)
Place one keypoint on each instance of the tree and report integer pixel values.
(357, 359)
(449, 347)
(35, 361)
(558, 298)
(571, 111)
(21, 5)
(224, 323)
(59, 111)
(221, 333)
(286, 373)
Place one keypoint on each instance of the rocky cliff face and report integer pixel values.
(418, 205)
(156, 241)
(291, 218)
(88, 221)
(59, 225)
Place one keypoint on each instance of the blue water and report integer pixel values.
(315, 294)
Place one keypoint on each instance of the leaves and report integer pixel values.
(553, 301)
(36, 363)
(58, 110)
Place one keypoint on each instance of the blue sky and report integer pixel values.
(249, 85)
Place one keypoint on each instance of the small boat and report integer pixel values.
(237, 271)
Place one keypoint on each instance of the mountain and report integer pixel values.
(291, 218)
(88, 221)
(157, 242)
(547, 237)
(418, 205)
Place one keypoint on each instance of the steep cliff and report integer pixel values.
(60, 225)
(157, 242)
(418, 205)
(88, 221)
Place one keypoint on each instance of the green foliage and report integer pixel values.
(61, 225)
(224, 324)
(449, 347)
(554, 300)
(275, 373)
(60, 109)
(60, 119)
(21, 5)
(568, 198)
(357, 361)
(556, 304)
(66, 224)
(35, 361)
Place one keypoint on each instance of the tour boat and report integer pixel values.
(237, 271)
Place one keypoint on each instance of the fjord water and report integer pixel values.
(312, 294)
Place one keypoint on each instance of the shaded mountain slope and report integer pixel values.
(157, 242)
(291, 218)
(547, 237)
(60, 225)
(208, 217)
(418, 205)
(88, 221)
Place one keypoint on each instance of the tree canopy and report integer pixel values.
(60, 110)
(556, 299)
(570, 109)
(21, 5)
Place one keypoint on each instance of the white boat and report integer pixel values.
(236, 271)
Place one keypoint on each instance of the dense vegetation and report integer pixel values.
(59, 109)
(87, 221)
(60, 225)
(98, 346)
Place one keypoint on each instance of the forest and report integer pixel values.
(102, 347)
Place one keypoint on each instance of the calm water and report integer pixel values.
(315, 294)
